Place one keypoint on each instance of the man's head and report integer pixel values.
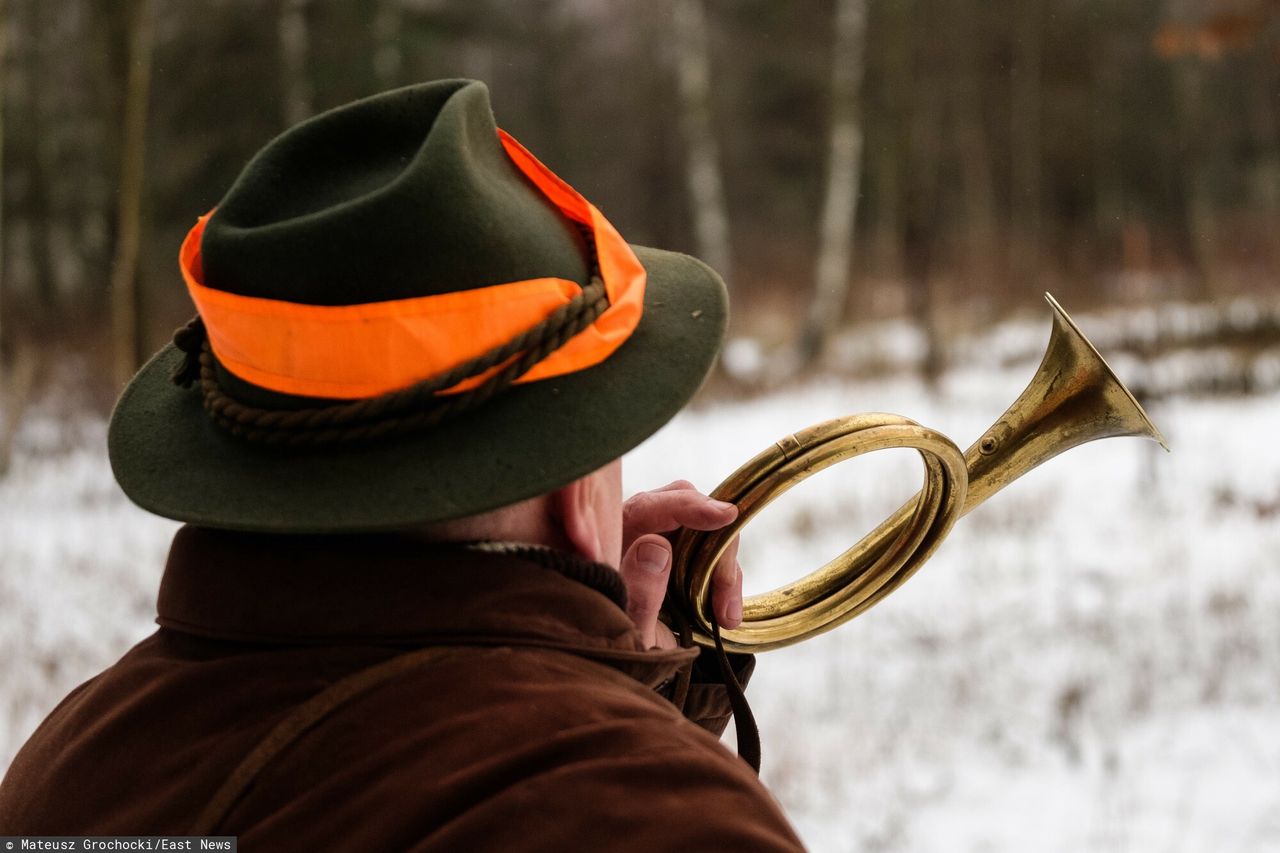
(406, 319)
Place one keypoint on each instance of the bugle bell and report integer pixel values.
(1073, 398)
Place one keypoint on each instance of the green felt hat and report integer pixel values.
(403, 195)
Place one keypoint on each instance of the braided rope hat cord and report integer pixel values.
(411, 409)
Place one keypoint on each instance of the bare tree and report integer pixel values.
(1195, 125)
(703, 171)
(844, 174)
(1024, 137)
(4, 79)
(923, 220)
(1206, 37)
(6, 441)
(965, 103)
(388, 54)
(1265, 131)
(1106, 133)
(15, 394)
(295, 39)
(17, 362)
(39, 94)
(888, 153)
(125, 302)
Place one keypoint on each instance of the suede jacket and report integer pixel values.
(375, 693)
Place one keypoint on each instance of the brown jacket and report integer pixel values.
(535, 723)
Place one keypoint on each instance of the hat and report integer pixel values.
(404, 317)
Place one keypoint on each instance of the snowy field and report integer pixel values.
(1090, 663)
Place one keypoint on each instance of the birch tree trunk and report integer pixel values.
(125, 302)
(295, 38)
(703, 170)
(388, 55)
(844, 174)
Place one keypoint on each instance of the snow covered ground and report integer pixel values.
(1091, 662)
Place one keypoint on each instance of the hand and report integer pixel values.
(646, 556)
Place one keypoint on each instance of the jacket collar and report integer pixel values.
(395, 590)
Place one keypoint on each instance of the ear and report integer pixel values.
(575, 504)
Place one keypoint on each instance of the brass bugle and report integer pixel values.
(1073, 398)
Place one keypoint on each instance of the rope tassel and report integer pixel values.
(191, 340)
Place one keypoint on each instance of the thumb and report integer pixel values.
(645, 568)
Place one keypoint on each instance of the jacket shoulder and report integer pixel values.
(675, 793)
(543, 751)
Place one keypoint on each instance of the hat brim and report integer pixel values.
(531, 439)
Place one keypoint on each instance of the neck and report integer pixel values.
(529, 522)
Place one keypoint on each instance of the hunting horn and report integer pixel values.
(1073, 398)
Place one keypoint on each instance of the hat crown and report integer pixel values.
(404, 194)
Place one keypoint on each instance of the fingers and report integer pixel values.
(674, 506)
(645, 568)
(726, 588)
(646, 565)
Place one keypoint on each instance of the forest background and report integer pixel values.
(839, 161)
(1090, 662)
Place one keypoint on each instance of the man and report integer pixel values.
(410, 609)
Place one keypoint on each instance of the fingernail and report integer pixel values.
(735, 611)
(651, 557)
(723, 506)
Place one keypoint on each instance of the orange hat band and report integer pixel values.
(350, 352)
